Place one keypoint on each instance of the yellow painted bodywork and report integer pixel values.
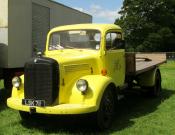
(75, 64)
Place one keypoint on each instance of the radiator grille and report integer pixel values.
(41, 80)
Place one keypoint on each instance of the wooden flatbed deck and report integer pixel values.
(137, 63)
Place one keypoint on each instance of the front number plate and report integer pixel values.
(31, 102)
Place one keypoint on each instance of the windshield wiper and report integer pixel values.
(56, 47)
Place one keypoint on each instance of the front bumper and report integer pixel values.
(16, 104)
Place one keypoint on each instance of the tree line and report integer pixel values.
(148, 25)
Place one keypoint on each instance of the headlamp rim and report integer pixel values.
(85, 82)
(18, 80)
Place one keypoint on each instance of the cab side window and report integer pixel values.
(113, 39)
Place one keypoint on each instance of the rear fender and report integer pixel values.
(147, 79)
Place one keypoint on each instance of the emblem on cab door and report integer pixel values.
(117, 65)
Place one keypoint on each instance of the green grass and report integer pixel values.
(137, 115)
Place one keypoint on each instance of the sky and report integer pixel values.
(102, 11)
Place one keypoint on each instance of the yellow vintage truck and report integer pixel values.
(83, 70)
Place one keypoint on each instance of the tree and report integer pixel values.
(149, 25)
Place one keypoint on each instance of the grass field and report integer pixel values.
(137, 115)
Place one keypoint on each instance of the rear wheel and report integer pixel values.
(156, 89)
(105, 114)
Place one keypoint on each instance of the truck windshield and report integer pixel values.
(75, 39)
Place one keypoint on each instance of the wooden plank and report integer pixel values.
(137, 63)
(130, 63)
(147, 61)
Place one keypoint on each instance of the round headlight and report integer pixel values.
(82, 85)
(16, 82)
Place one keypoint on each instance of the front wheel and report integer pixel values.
(105, 114)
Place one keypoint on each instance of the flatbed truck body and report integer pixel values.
(138, 63)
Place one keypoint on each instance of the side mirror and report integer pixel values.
(40, 54)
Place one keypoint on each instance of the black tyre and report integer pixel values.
(8, 75)
(156, 89)
(105, 114)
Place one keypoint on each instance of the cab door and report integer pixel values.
(115, 57)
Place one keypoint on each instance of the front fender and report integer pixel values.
(96, 87)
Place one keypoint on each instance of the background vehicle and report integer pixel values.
(83, 70)
(24, 25)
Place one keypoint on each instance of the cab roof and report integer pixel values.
(100, 27)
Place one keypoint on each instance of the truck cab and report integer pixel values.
(80, 72)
